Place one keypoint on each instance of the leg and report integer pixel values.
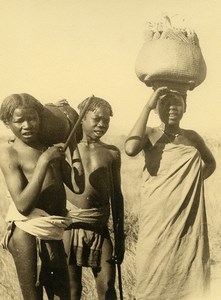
(23, 248)
(75, 274)
(57, 286)
(105, 276)
(54, 273)
(61, 284)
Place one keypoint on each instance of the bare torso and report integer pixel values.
(52, 198)
(97, 159)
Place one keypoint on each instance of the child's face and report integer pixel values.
(171, 109)
(96, 123)
(25, 124)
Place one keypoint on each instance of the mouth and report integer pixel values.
(99, 132)
(27, 134)
(172, 116)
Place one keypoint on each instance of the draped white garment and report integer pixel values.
(172, 249)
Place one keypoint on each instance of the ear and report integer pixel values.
(185, 106)
(84, 117)
(6, 124)
(184, 100)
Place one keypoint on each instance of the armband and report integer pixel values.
(135, 137)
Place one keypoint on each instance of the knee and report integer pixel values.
(76, 290)
(106, 290)
(21, 243)
(14, 245)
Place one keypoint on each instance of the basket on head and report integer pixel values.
(171, 54)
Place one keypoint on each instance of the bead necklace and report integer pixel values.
(170, 134)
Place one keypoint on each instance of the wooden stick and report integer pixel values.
(74, 129)
(116, 237)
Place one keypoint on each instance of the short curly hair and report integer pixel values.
(95, 103)
(10, 103)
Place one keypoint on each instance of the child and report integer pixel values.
(172, 249)
(37, 213)
(88, 242)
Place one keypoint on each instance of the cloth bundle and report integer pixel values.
(170, 56)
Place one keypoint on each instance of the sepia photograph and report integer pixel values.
(110, 150)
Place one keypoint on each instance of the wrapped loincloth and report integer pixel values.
(37, 223)
(88, 230)
(48, 231)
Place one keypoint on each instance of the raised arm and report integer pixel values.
(137, 137)
(24, 193)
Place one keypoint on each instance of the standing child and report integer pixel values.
(88, 242)
(172, 250)
(37, 213)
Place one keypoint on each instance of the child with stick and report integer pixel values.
(96, 178)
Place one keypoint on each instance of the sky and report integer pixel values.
(71, 49)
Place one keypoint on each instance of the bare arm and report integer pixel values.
(137, 137)
(72, 171)
(26, 194)
(209, 163)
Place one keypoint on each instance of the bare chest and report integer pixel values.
(28, 162)
(94, 158)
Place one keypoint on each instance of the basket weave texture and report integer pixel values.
(171, 55)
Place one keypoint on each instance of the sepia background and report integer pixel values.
(71, 49)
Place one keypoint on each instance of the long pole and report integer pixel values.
(74, 129)
(116, 237)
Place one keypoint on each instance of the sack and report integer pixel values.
(171, 54)
(57, 122)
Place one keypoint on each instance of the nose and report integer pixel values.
(26, 124)
(172, 107)
(102, 123)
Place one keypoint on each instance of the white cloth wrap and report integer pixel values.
(39, 223)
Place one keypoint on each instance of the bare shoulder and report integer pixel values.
(6, 149)
(8, 154)
(198, 142)
(153, 134)
(112, 149)
(193, 137)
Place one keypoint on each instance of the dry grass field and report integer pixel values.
(131, 174)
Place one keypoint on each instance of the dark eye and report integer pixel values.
(32, 117)
(17, 120)
(96, 119)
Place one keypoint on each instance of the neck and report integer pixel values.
(171, 129)
(35, 145)
(89, 141)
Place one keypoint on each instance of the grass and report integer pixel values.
(131, 176)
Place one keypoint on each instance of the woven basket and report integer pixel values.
(171, 57)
